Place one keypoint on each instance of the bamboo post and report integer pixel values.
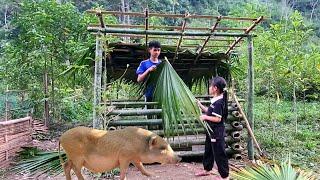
(7, 111)
(146, 20)
(250, 97)
(7, 104)
(97, 83)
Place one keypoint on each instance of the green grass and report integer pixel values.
(275, 131)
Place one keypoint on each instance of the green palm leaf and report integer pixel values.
(263, 171)
(39, 162)
(179, 108)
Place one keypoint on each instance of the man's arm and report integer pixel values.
(142, 76)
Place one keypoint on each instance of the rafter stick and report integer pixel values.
(246, 32)
(172, 15)
(181, 37)
(100, 17)
(213, 28)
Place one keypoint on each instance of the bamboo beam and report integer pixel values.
(171, 15)
(156, 32)
(181, 37)
(169, 27)
(166, 37)
(136, 112)
(246, 32)
(213, 28)
(130, 104)
(142, 122)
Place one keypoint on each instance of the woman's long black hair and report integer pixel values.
(221, 84)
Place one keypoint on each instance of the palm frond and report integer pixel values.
(39, 162)
(263, 171)
(179, 108)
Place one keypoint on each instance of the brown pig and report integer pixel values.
(101, 151)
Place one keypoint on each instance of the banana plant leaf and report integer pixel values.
(177, 102)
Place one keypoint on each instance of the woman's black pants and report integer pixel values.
(215, 151)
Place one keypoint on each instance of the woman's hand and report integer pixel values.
(203, 117)
(198, 102)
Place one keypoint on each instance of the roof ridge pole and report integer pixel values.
(181, 37)
(213, 28)
(247, 31)
(146, 23)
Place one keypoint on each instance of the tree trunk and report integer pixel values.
(52, 89)
(46, 102)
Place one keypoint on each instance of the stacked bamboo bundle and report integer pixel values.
(134, 113)
(13, 135)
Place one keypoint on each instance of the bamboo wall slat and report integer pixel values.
(13, 135)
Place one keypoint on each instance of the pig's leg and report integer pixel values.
(77, 170)
(141, 168)
(124, 165)
(67, 168)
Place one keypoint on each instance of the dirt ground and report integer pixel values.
(181, 171)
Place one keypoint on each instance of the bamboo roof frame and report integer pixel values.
(148, 31)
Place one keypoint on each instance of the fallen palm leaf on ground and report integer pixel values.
(34, 161)
(262, 171)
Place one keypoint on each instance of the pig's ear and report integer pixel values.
(152, 141)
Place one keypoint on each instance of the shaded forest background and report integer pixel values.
(46, 42)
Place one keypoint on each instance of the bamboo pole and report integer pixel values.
(146, 24)
(93, 11)
(159, 32)
(248, 125)
(142, 122)
(213, 28)
(168, 37)
(169, 27)
(136, 112)
(181, 37)
(246, 32)
(7, 105)
(97, 83)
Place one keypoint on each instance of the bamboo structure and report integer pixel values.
(124, 55)
(131, 113)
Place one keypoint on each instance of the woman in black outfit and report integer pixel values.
(215, 115)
